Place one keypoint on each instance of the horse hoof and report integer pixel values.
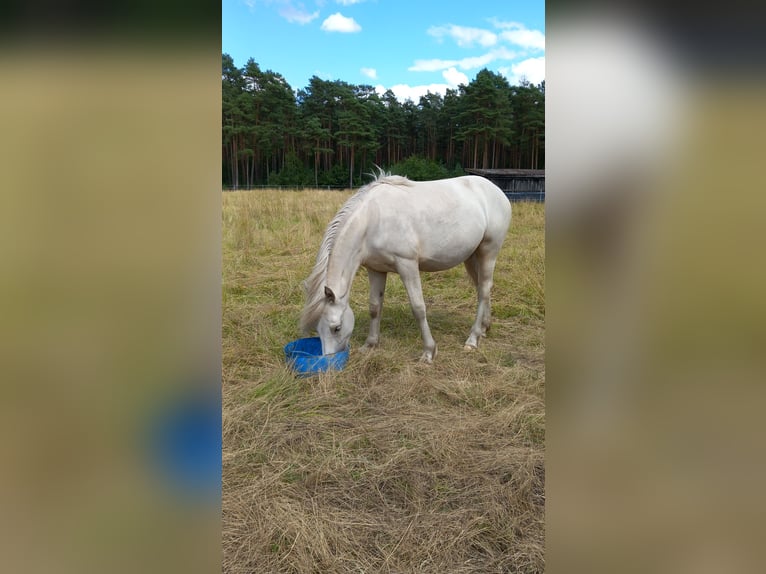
(469, 348)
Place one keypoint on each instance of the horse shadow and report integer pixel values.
(397, 322)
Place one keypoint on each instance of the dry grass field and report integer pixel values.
(390, 465)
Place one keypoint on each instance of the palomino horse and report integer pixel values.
(395, 225)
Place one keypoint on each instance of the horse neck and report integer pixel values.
(346, 257)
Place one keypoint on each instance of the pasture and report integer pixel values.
(390, 465)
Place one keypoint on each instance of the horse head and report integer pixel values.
(336, 323)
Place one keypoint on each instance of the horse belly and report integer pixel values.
(446, 255)
(431, 254)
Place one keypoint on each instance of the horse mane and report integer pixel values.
(313, 286)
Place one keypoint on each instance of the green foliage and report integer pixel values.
(294, 173)
(331, 133)
(421, 169)
(336, 176)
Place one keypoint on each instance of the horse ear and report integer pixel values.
(329, 294)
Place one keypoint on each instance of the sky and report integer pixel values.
(408, 46)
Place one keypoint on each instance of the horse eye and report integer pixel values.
(337, 329)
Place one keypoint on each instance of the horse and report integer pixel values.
(396, 225)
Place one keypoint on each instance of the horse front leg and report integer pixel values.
(410, 274)
(377, 291)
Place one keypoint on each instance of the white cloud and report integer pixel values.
(370, 72)
(454, 78)
(405, 92)
(297, 15)
(481, 61)
(530, 39)
(469, 63)
(532, 69)
(349, 2)
(512, 32)
(520, 35)
(433, 65)
(340, 23)
(464, 36)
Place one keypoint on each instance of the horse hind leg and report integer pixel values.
(485, 268)
(472, 267)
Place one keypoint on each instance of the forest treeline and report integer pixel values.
(332, 133)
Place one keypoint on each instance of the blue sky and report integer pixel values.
(408, 46)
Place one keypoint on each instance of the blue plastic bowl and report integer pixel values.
(305, 357)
